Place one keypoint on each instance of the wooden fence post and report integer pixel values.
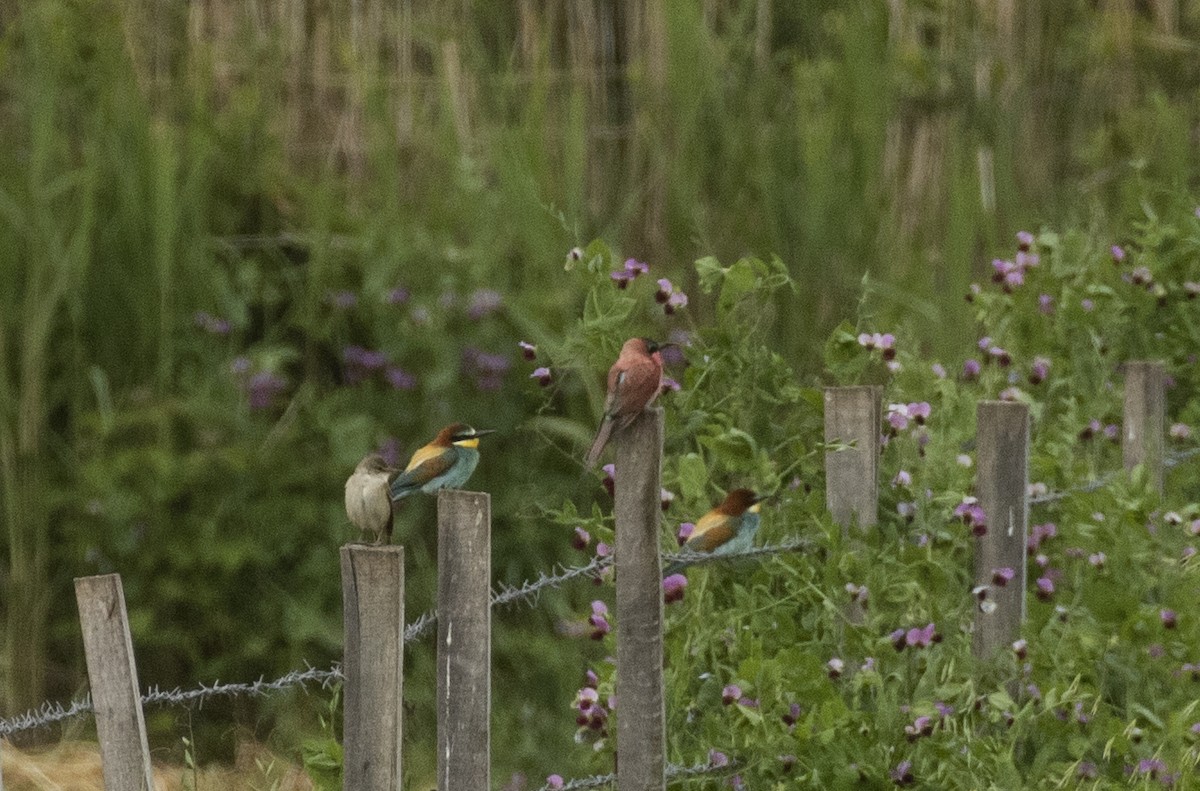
(464, 661)
(1002, 436)
(853, 416)
(641, 722)
(373, 663)
(112, 676)
(1142, 435)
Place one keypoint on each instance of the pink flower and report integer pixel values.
(685, 532)
(528, 350)
(673, 588)
(730, 694)
(543, 376)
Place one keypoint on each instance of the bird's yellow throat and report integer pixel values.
(754, 509)
(473, 442)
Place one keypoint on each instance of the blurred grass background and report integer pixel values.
(254, 160)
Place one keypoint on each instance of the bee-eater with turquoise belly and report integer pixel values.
(634, 381)
(445, 463)
(726, 529)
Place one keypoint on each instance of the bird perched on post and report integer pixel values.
(367, 502)
(726, 529)
(445, 463)
(634, 381)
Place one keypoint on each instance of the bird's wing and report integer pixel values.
(423, 471)
(422, 455)
(713, 530)
(616, 382)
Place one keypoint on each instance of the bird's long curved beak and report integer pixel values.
(479, 432)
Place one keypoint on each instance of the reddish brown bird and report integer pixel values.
(634, 381)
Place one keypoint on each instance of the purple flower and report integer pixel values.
(1045, 588)
(1024, 240)
(621, 278)
(921, 726)
(399, 378)
(554, 781)
(730, 694)
(903, 478)
(793, 715)
(675, 301)
(483, 302)
(902, 775)
(908, 510)
(542, 375)
(211, 324)
(580, 538)
(1179, 431)
(920, 638)
(590, 679)
(1097, 559)
(971, 370)
(943, 709)
(665, 289)
(635, 267)
(685, 532)
(1046, 304)
(919, 412)
(669, 385)
(1039, 370)
(528, 350)
(599, 620)
(1020, 648)
(389, 449)
(609, 482)
(898, 637)
(603, 550)
(717, 758)
(1002, 576)
(1141, 276)
(1087, 305)
(1168, 618)
(1118, 253)
(1087, 771)
(665, 498)
(396, 296)
(239, 366)
(836, 666)
(939, 370)
(262, 388)
(343, 300)
(1112, 432)
(673, 588)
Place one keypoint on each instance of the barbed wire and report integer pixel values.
(675, 772)
(1171, 460)
(51, 713)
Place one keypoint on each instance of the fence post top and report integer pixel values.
(462, 495)
(827, 389)
(384, 549)
(997, 404)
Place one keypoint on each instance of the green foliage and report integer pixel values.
(1104, 685)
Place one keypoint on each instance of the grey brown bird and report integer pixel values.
(368, 503)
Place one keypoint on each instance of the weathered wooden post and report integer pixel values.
(464, 661)
(641, 723)
(1002, 437)
(112, 676)
(373, 664)
(1142, 435)
(852, 417)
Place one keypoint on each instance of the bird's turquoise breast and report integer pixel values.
(465, 461)
(743, 539)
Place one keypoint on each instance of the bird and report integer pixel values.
(634, 381)
(726, 529)
(367, 502)
(445, 463)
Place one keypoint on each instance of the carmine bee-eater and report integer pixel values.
(634, 381)
(367, 502)
(445, 463)
(726, 529)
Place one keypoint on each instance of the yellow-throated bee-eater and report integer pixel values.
(634, 381)
(445, 463)
(726, 529)
(367, 502)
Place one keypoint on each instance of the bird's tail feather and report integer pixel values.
(593, 455)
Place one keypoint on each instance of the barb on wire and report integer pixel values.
(530, 591)
(675, 772)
